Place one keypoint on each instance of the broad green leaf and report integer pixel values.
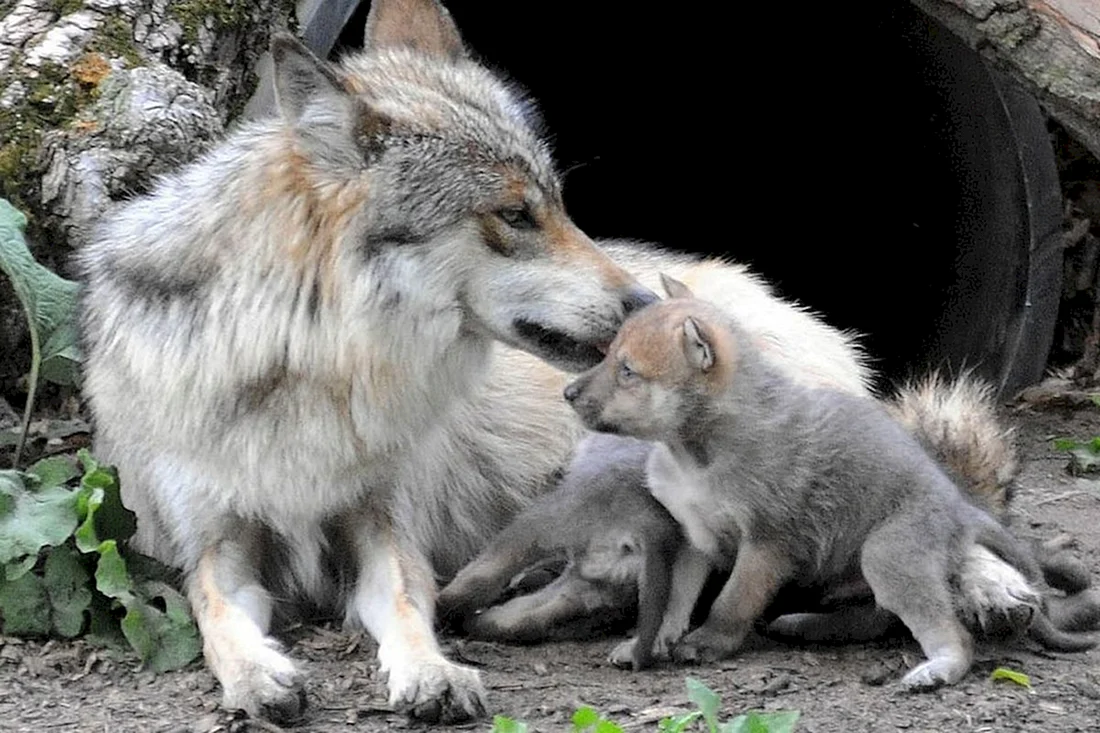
(606, 726)
(24, 606)
(104, 516)
(16, 568)
(504, 724)
(111, 577)
(175, 636)
(34, 519)
(1004, 673)
(1095, 399)
(705, 699)
(54, 471)
(66, 583)
(585, 717)
(1065, 444)
(47, 298)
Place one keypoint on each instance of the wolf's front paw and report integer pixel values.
(437, 691)
(265, 684)
(705, 644)
(934, 673)
(996, 598)
(622, 656)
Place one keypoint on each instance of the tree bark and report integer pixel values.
(1051, 46)
(97, 97)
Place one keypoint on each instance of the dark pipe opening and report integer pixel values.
(864, 161)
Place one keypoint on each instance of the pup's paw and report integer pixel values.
(934, 673)
(264, 684)
(437, 691)
(622, 656)
(1076, 612)
(704, 645)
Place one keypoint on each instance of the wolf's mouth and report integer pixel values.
(559, 345)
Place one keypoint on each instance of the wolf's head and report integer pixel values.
(458, 194)
(667, 363)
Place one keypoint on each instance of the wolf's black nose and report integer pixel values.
(638, 297)
(572, 392)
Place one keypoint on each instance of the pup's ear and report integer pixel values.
(300, 77)
(698, 350)
(675, 288)
(423, 25)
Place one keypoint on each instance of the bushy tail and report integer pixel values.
(957, 423)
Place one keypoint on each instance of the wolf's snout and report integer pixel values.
(637, 297)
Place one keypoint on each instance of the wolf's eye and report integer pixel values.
(518, 217)
(625, 372)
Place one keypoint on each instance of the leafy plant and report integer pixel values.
(65, 569)
(48, 301)
(587, 719)
(1083, 457)
(708, 702)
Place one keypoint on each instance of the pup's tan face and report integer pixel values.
(665, 363)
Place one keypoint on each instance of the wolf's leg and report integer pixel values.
(531, 618)
(864, 622)
(912, 584)
(758, 574)
(233, 612)
(690, 571)
(393, 599)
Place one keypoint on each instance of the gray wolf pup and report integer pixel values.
(294, 359)
(789, 484)
(617, 542)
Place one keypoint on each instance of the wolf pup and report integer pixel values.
(292, 359)
(789, 484)
(618, 542)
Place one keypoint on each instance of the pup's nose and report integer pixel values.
(572, 392)
(637, 297)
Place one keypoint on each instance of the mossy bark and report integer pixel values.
(97, 97)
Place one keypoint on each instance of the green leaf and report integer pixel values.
(1095, 399)
(585, 717)
(24, 606)
(782, 721)
(1065, 444)
(111, 577)
(47, 298)
(104, 515)
(678, 723)
(66, 583)
(606, 726)
(504, 724)
(31, 520)
(173, 638)
(705, 699)
(1004, 673)
(54, 471)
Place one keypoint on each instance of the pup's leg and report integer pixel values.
(393, 599)
(911, 582)
(995, 597)
(864, 622)
(233, 612)
(531, 618)
(689, 574)
(759, 573)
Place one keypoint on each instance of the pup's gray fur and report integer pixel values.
(617, 540)
(787, 484)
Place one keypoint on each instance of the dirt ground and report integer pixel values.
(58, 687)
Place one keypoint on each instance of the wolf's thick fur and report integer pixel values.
(294, 358)
(789, 484)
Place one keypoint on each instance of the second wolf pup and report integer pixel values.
(791, 485)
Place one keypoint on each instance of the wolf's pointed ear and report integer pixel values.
(697, 349)
(674, 288)
(423, 25)
(300, 76)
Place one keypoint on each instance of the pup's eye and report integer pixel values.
(625, 372)
(518, 217)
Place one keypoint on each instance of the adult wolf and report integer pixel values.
(289, 342)
(293, 351)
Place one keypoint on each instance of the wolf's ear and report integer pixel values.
(697, 349)
(675, 288)
(423, 25)
(300, 76)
